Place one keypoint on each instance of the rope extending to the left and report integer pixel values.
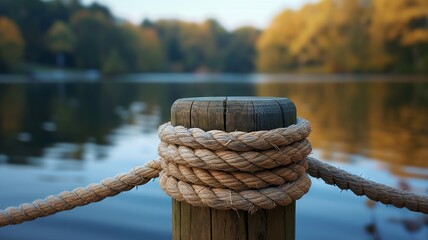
(80, 196)
(235, 170)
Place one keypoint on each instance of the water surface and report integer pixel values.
(56, 136)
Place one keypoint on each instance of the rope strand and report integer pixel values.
(363, 187)
(80, 196)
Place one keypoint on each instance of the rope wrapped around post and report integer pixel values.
(235, 170)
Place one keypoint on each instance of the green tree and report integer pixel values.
(168, 32)
(240, 53)
(114, 64)
(60, 40)
(192, 46)
(34, 18)
(215, 48)
(194, 43)
(142, 48)
(95, 34)
(11, 45)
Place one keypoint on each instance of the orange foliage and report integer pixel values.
(11, 44)
(347, 36)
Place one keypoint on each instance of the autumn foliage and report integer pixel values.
(348, 36)
(11, 44)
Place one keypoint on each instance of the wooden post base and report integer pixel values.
(190, 222)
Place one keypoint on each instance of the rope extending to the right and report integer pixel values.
(363, 187)
(223, 170)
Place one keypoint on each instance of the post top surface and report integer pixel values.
(234, 113)
(232, 98)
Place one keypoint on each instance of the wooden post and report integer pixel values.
(231, 114)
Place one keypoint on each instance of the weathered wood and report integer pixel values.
(176, 219)
(257, 225)
(275, 228)
(231, 114)
(201, 223)
(229, 225)
(186, 221)
(180, 112)
(290, 221)
(208, 113)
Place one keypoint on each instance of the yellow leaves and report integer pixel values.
(394, 18)
(396, 25)
(11, 44)
(416, 36)
(60, 38)
(84, 15)
(309, 36)
(286, 24)
(346, 35)
(9, 31)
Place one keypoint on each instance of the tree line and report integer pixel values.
(328, 36)
(348, 36)
(70, 34)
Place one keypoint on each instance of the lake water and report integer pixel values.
(58, 136)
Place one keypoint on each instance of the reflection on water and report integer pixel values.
(57, 136)
(380, 120)
(35, 115)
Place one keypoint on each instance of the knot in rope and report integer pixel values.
(236, 170)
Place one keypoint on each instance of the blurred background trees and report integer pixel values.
(68, 34)
(399, 33)
(327, 36)
(348, 36)
(60, 41)
(11, 44)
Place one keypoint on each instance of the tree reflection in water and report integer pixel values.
(372, 120)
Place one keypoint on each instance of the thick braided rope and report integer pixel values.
(373, 190)
(230, 161)
(237, 181)
(237, 141)
(237, 170)
(80, 196)
(221, 198)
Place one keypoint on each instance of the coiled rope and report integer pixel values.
(235, 170)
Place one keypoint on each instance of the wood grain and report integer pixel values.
(176, 219)
(186, 221)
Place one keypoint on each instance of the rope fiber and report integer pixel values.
(236, 170)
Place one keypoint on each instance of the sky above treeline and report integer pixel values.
(230, 13)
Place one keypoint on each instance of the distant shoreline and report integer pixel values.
(94, 76)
